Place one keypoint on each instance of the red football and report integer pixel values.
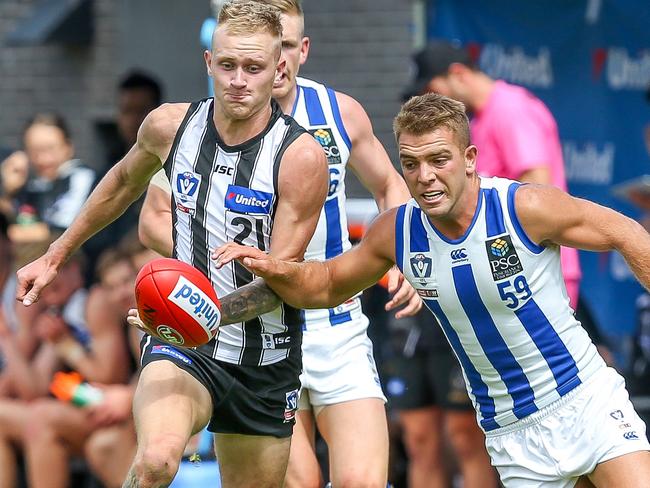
(178, 302)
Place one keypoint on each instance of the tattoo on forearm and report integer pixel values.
(248, 302)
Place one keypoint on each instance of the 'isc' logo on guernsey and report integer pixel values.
(325, 138)
(244, 200)
(504, 261)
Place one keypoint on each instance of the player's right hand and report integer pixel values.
(32, 278)
(133, 318)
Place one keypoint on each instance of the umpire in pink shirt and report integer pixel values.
(516, 134)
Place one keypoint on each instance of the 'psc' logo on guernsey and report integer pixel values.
(503, 257)
(325, 138)
(197, 304)
(244, 200)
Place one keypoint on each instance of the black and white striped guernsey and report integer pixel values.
(224, 193)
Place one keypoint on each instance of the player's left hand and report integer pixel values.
(402, 293)
(232, 251)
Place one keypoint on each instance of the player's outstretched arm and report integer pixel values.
(316, 284)
(302, 187)
(124, 183)
(368, 158)
(549, 215)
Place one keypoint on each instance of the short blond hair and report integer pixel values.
(286, 6)
(250, 17)
(426, 113)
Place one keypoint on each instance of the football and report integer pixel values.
(177, 302)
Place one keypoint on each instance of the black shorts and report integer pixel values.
(250, 400)
(428, 378)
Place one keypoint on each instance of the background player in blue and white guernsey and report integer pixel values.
(484, 255)
(340, 386)
(262, 199)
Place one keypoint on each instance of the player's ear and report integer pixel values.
(207, 56)
(304, 50)
(280, 68)
(470, 159)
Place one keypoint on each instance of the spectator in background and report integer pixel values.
(14, 170)
(138, 94)
(58, 183)
(27, 371)
(57, 430)
(516, 133)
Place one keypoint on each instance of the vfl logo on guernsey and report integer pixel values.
(291, 398)
(421, 266)
(245, 200)
(325, 138)
(187, 185)
(504, 261)
(197, 304)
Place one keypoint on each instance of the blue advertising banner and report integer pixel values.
(589, 61)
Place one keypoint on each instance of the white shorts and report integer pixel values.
(567, 439)
(338, 366)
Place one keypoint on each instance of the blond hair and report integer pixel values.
(426, 113)
(250, 17)
(286, 6)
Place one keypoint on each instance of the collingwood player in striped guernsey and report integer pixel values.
(243, 172)
(484, 256)
(340, 389)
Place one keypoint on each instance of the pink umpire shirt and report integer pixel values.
(515, 132)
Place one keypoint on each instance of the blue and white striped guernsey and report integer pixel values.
(501, 301)
(317, 110)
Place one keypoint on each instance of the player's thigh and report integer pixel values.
(249, 461)
(628, 471)
(169, 403)
(303, 470)
(356, 433)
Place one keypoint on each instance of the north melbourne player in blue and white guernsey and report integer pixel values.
(484, 256)
(237, 166)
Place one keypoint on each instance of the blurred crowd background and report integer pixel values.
(78, 76)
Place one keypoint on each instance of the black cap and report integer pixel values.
(435, 60)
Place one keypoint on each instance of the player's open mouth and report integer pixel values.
(433, 196)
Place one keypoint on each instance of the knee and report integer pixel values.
(305, 478)
(466, 440)
(422, 445)
(98, 448)
(157, 462)
(42, 422)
